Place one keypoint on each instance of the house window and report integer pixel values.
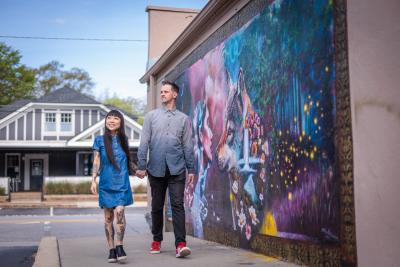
(12, 166)
(66, 122)
(85, 164)
(136, 135)
(50, 120)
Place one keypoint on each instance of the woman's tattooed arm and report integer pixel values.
(96, 165)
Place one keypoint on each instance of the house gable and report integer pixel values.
(85, 138)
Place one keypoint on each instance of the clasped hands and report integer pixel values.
(141, 173)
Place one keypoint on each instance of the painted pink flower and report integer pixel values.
(248, 231)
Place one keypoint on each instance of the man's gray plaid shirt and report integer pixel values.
(167, 135)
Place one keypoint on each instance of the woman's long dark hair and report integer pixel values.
(123, 140)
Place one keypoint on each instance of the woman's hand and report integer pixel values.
(93, 188)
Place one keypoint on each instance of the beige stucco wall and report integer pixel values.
(165, 25)
(374, 61)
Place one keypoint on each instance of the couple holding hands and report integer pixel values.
(165, 155)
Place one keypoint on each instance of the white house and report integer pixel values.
(52, 137)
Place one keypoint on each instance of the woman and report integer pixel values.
(111, 160)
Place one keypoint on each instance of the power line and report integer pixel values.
(71, 39)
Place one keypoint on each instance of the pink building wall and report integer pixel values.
(374, 62)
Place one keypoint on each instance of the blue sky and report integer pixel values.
(113, 66)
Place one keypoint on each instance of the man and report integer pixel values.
(166, 135)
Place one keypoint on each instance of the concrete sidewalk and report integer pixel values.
(93, 251)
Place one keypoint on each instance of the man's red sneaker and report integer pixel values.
(155, 247)
(182, 250)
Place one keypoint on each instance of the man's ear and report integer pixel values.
(175, 94)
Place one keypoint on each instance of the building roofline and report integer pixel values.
(172, 9)
(213, 10)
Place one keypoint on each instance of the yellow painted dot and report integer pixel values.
(295, 178)
(300, 138)
(280, 133)
(305, 107)
(317, 103)
(303, 133)
(326, 68)
(290, 195)
(315, 120)
(315, 148)
(311, 103)
(281, 173)
(295, 119)
(312, 155)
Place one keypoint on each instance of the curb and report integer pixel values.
(48, 254)
(67, 201)
(60, 204)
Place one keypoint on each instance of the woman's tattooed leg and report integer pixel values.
(121, 224)
(109, 227)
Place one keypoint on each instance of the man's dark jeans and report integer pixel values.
(176, 187)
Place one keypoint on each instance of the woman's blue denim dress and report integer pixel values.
(114, 185)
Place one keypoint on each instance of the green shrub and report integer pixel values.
(67, 188)
(83, 188)
(2, 191)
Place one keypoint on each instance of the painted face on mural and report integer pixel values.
(167, 95)
(113, 123)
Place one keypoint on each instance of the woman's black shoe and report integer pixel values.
(112, 257)
(121, 255)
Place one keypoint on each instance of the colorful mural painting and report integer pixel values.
(262, 105)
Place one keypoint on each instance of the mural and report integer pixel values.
(262, 105)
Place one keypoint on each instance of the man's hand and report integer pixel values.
(140, 173)
(190, 178)
(93, 188)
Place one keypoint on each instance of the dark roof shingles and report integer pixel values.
(63, 95)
